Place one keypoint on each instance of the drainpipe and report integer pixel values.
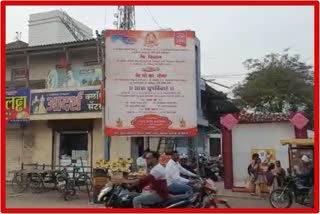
(105, 140)
(27, 70)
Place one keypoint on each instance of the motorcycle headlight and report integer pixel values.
(104, 192)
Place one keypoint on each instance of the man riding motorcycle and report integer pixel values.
(156, 179)
(306, 176)
(176, 183)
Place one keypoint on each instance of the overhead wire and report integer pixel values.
(152, 17)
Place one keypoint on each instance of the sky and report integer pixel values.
(229, 34)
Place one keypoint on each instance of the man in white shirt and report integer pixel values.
(176, 183)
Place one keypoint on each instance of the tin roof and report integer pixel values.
(245, 117)
(300, 142)
(16, 45)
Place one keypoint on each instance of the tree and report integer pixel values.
(278, 83)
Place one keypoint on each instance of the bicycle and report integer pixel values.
(81, 179)
(23, 180)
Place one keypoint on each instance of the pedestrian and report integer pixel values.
(141, 161)
(271, 177)
(250, 170)
(185, 164)
(259, 177)
(281, 174)
(306, 175)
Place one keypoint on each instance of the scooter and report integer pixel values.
(118, 196)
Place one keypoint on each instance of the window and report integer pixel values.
(215, 147)
(18, 74)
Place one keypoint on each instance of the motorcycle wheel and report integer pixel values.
(280, 198)
(108, 201)
(82, 182)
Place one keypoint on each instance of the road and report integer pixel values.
(54, 199)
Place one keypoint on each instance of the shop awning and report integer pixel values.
(298, 142)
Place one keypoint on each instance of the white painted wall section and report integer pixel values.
(258, 136)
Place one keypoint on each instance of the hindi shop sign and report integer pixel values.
(17, 106)
(150, 83)
(65, 102)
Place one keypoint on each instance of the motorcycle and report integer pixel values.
(211, 167)
(118, 196)
(211, 171)
(207, 197)
(291, 191)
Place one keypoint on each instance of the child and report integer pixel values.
(259, 177)
(250, 170)
(270, 176)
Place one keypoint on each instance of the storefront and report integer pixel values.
(17, 118)
(73, 122)
(296, 149)
(14, 142)
(64, 127)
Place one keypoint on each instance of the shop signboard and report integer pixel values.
(18, 106)
(150, 83)
(74, 77)
(65, 102)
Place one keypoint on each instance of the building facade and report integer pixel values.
(65, 110)
(56, 27)
(64, 80)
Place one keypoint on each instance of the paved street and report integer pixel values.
(54, 199)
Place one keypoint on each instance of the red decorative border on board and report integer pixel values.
(141, 132)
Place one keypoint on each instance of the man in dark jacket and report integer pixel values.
(307, 177)
(306, 174)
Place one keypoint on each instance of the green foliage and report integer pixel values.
(277, 83)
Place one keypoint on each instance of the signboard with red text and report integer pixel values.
(150, 83)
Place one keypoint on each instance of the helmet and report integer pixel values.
(305, 159)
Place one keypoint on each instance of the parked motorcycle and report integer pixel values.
(292, 191)
(118, 196)
(207, 197)
(211, 167)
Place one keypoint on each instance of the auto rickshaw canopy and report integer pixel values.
(298, 142)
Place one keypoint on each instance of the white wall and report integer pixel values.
(120, 147)
(47, 28)
(258, 136)
(49, 33)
